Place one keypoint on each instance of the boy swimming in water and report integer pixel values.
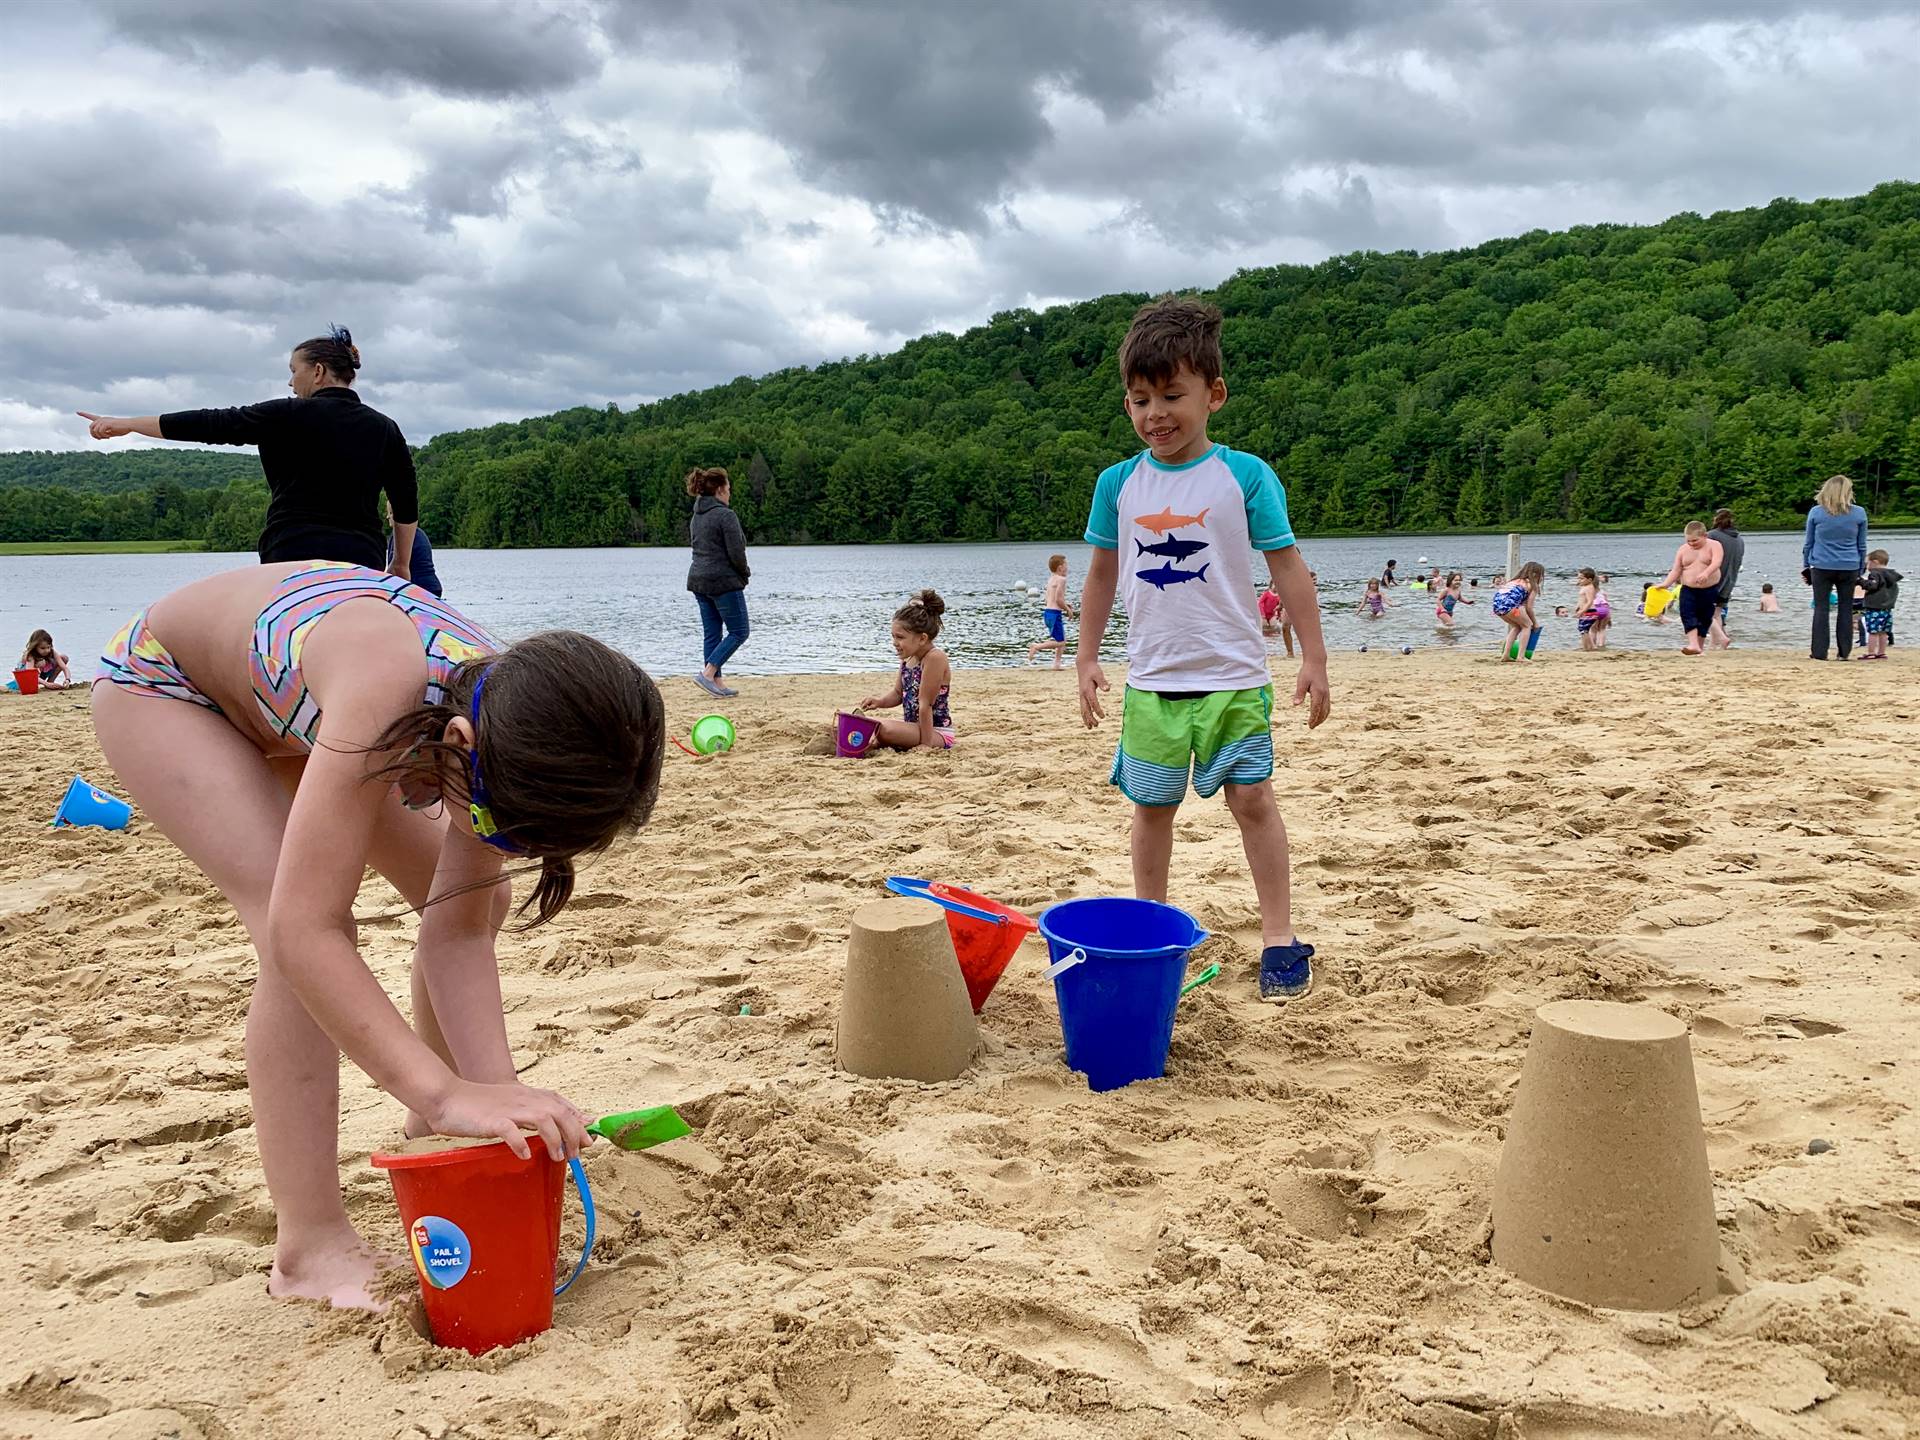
(1198, 701)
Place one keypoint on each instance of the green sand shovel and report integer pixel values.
(1202, 978)
(641, 1129)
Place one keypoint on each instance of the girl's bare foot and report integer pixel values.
(343, 1273)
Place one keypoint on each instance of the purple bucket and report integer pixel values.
(853, 734)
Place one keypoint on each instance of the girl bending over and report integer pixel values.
(289, 725)
(1513, 603)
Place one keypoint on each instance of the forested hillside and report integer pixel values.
(120, 493)
(1607, 375)
(117, 469)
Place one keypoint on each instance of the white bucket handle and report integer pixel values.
(1066, 963)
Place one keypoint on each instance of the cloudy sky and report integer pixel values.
(520, 205)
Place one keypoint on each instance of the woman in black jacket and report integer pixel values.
(327, 458)
(718, 575)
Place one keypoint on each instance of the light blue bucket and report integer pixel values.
(84, 805)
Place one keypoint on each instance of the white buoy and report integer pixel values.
(1020, 585)
(1423, 559)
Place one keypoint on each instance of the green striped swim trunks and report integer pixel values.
(1221, 738)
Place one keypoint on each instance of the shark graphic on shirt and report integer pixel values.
(1172, 549)
(1166, 575)
(1166, 520)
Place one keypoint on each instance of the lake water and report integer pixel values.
(826, 608)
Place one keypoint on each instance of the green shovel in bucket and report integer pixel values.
(641, 1129)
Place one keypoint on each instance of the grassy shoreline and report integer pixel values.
(101, 547)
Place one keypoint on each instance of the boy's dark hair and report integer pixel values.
(1876, 557)
(921, 615)
(704, 481)
(1767, 589)
(335, 350)
(1587, 572)
(570, 739)
(1168, 333)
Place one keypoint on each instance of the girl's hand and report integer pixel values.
(872, 702)
(499, 1112)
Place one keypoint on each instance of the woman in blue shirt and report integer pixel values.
(1832, 556)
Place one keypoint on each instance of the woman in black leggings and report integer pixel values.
(1833, 555)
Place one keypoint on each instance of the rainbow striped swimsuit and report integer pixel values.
(305, 597)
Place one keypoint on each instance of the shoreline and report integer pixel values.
(1284, 1236)
(1896, 523)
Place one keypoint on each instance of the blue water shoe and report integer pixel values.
(1286, 972)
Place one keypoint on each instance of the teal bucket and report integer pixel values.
(1117, 971)
(84, 805)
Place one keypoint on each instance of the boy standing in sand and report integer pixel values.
(1882, 586)
(1177, 525)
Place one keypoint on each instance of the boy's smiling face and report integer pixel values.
(1171, 417)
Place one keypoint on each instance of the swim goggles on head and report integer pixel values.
(479, 802)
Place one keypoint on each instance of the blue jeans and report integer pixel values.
(729, 610)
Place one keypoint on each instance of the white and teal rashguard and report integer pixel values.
(1186, 537)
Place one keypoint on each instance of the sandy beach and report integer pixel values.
(1286, 1236)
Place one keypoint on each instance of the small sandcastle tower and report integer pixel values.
(1603, 1193)
(904, 1012)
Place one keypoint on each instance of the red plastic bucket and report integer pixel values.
(483, 1227)
(985, 933)
(853, 734)
(28, 681)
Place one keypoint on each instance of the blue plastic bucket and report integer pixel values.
(84, 805)
(1117, 970)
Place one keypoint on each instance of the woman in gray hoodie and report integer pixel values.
(718, 575)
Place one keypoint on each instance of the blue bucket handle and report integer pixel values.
(923, 890)
(579, 1174)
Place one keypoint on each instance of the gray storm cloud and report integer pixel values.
(521, 205)
(478, 47)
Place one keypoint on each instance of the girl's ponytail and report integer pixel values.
(922, 614)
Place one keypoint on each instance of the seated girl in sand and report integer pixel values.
(40, 655)
(1513, 603)
(285, 725)
(923, 671)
